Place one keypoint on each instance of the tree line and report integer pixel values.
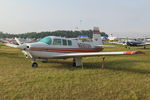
(62, 33)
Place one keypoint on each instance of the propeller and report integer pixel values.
(23, 47)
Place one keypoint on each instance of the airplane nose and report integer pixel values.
(28, 46)
(23, 46)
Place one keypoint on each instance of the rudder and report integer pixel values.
(97, 36)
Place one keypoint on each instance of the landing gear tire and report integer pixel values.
(34, 65)
(74, 63)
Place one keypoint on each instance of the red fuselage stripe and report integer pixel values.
(66, 50)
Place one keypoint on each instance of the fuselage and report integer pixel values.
(54, 47)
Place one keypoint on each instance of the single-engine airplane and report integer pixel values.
(135, 43)
(61, 47)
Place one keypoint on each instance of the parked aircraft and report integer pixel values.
(132, 42)
(60, 47)
(136, 42)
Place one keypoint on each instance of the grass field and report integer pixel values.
(123, 78)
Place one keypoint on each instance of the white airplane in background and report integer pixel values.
(112, 38)
(60, 47)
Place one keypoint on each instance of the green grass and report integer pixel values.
(123, 78)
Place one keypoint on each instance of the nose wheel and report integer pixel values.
(34, 65)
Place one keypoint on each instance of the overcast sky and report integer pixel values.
(111, 16)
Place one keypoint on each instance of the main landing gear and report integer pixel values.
(34, 65)
(77, 61)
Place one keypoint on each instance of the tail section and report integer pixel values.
(97, 37)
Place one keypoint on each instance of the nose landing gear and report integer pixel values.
(34, 65)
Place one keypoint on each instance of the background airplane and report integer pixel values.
(135, 43)
(132, 42)
(62, 48)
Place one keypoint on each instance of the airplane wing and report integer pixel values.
(97, 46)
(141, 44)
(101, 54)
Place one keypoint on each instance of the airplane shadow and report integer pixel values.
(119, 65)
(62, 64)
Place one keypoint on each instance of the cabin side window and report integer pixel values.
(69, 42)
(64, 42)
(57, 42)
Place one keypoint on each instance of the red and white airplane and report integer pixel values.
(60, 47)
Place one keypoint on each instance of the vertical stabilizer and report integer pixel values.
(97, 36)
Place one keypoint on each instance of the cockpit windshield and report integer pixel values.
(46, 40)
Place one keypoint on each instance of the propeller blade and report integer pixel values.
(27, 54)
(23, 47)
(17, 40)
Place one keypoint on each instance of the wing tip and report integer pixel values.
(133, 52)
